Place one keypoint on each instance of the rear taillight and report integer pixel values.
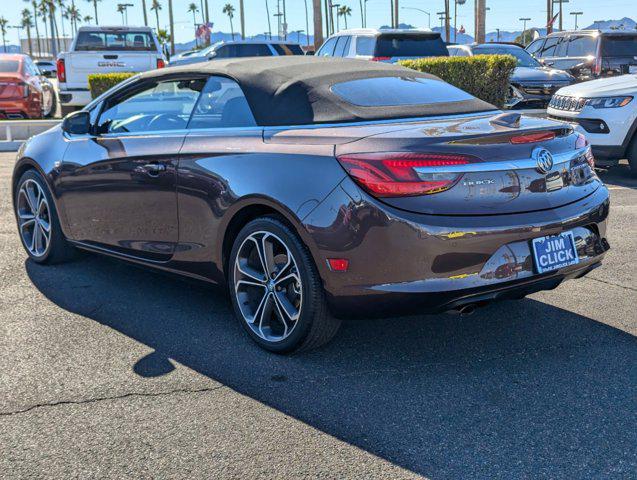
(399, 174)
(580, 142)
(380, 59)
(161, 63)
(61, 70)
(25, 90)
(532, 137)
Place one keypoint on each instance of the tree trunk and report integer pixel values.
(318, 24)
(37, 30)
(480, 20)
(360, 3)
(157, 18)
(396, 19)
(231, 28)
(29, 40)
(95, 7)
(145, 14)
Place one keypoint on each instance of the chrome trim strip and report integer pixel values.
(507, 165)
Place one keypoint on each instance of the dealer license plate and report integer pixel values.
(555, 251)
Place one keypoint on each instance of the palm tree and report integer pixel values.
(63, 14)
(74, 15)
(145, 14)
(87, 19)
(193, 8)
(228, 9)
(203, 12)
(156, 7)
(3, 29)
(344, 11)
(27, 23)
(94, 2)
(34, 5)
(267, 12)
(242, 19)
(42, 12)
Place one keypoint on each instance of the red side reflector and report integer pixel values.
(338, 264)
(160, 63)
(532, 137)
(61, 70)
(380, 59)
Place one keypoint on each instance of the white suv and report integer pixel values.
(605, 111)
(384, 45)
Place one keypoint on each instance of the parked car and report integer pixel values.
(24, 91)
(532, 84)
(385, 45)
(47, 67)
(333, 187)
(104, 50)
(588, 54)
(605, 110)
(241, 48)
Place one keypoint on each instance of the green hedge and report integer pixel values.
(483, 76)
(98, 83)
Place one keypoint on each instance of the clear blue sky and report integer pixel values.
(504, 14)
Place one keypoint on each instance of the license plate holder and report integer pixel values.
(554, 252)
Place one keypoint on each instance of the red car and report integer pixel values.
(24, 91)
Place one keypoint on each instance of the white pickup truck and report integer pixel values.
(104, 50)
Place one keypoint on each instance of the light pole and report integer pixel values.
(576, 15)
(335, 5)
(441, 17)
(561, 25)
(124, 7)
(420, 10)
(524, 19)
(298, 35)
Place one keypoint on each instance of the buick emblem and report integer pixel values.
(543, 158)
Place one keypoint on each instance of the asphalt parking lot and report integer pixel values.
(111, 371)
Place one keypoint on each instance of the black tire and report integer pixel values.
(315, 325)
(631, 153)
(58, 249)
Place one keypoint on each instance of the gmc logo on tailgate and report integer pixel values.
(111, 64)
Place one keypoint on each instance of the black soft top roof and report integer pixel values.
(295, 90)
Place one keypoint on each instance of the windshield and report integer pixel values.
(396, 91)
(523, 58)
(115, 41)
(410, 45)
(7, 66)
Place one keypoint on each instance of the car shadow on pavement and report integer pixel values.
(619, 176)
(519, 389)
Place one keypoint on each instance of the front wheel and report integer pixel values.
(276, 291)
(632, 156)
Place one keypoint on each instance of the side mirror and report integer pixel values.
(77, 123)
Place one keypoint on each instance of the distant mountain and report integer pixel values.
(623, 24)
(226, 37)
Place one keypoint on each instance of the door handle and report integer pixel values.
(154, 169)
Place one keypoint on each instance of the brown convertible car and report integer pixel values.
(316, 188)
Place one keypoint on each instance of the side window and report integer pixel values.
(327, 50)
(581, 46)
(222, 105)
(157, 106)
(560, 49)
(341, 44)
(365, 46)
(549, 47)
(535, 46)
(253, 50)
(223, 52)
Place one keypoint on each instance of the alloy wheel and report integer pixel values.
(34, 218)
(267, 285)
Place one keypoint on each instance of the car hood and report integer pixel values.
(603, 87)
(541, 74)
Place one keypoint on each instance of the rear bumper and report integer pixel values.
(402, 262)
(75, 98)
(19, 108)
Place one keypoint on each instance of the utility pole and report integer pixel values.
(561, 2)
(242, 18)
(524, 19)
(172, 27)
(396, 20)
(447, 23)
(318, 24)
(549, 16)
(480, 20)
(576, 15)
(441, 17)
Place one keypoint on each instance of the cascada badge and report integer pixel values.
(543, 159)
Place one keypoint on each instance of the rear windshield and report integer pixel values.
(624, 46)
(7, 66)
(119, 41)
(396, 91)
(412, 45)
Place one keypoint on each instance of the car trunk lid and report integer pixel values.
(503, 174)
